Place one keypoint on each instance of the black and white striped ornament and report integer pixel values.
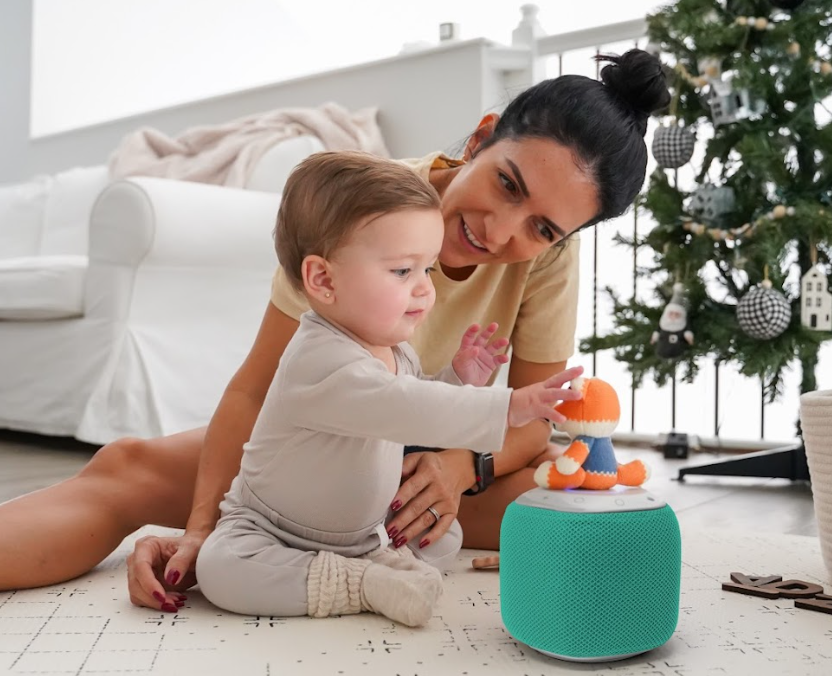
(764, 313)
(673, 146)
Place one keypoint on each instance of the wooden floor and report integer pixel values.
(29, 462)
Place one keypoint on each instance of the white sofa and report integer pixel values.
(126, 307)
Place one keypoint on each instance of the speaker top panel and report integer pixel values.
(618, 499)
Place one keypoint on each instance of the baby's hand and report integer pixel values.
(478, 355)
(538, 400)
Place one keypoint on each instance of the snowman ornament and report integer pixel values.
(673, 337)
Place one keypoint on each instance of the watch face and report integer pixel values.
(485, 469)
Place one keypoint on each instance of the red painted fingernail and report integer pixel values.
(396, 505)
(172, 577)
(179, 604)
(424, 543)
(169, 607)
(393, 532)
(158, 597)
(398, 543)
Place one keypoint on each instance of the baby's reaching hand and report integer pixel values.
(478, 355)
(538, 400)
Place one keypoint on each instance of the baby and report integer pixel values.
(302, 526)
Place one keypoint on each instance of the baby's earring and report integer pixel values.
(327, 294)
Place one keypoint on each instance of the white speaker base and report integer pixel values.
(611, 658)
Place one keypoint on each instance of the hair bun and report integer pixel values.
(638, 79)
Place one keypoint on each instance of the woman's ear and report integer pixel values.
(484, 131)
(317, 280)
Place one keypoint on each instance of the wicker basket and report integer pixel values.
(816, 421)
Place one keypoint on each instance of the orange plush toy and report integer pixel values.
(590, 462)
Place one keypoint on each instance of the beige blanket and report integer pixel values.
(226, 154)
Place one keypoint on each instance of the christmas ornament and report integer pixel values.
(763, 313)
(673, 336)
(731, 105)
(815, 300)
(673, 146)
(786, 4)
(712, 203)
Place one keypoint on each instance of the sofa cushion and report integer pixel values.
(66, 221)
(42, 287)
(22, 207)
(274, 167)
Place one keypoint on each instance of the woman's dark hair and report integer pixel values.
(602, 122)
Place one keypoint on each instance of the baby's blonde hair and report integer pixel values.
(328, 194)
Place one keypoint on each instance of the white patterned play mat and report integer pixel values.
(88, 626)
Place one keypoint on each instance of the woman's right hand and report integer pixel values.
(160, 568)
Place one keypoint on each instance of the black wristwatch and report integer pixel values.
(484, 469)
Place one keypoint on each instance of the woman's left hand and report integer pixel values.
(478, 355)
(431, 479)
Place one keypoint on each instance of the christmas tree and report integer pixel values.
(742, 233)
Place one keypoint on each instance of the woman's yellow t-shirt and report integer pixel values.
(535, 302)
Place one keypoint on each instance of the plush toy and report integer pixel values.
(590, 462)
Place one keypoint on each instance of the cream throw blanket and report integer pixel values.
(226, 154)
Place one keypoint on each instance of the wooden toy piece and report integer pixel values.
(822, 603)
(482, 562)
(752, 585)
(796, 589)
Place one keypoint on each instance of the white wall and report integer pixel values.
(15, 32)
(97, 60)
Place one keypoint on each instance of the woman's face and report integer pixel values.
(512, 201)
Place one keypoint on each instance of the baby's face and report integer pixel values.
(381, 276)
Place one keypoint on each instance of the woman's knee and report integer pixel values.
(128, 456)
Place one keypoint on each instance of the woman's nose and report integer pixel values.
(499, 229)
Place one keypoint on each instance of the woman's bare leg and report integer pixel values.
(481, 515)
(63, 531)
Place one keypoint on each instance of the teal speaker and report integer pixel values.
(590, 576)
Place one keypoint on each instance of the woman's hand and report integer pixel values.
(433, 479)
(478, 355)
(159, 567)
(552, 453)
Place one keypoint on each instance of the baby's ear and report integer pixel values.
(317, 279)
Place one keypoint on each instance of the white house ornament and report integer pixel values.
(673, 146)
(729, 104)
(764, 313)
(815, 300)
(673, 337)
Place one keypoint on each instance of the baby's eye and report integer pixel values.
(401, 272)
(508, 184)
(429, 270)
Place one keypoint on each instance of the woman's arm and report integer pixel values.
(438, 479)
(219, 462)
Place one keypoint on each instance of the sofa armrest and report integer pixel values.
(162, 222)
(179, 277)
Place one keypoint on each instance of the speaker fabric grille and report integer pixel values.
(590, 585)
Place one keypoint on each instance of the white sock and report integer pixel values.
(401, 587)
(334, 584)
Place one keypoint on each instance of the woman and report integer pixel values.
(566, 154)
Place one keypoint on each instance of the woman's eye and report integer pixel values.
(545, 232)
(508, 184)
(401, 272)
